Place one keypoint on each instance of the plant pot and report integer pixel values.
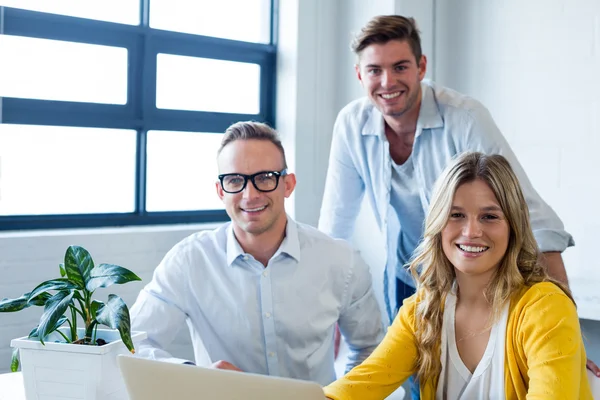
(64, 371)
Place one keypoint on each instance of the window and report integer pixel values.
(121, 11)
(111, 112)
(214, 18)
(186, 181)
(66, 170)
(204, 84)
(58, 70)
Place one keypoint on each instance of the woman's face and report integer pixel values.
(476, 235)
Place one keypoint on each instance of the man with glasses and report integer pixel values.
(261, 293)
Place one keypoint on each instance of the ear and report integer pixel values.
(289, 181)
(220, 191)
(422, 67)
(357, 70)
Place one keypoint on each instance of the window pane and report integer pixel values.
(202, 84)
(122, 11)
(182, 171)
(56, 70)
(246, 20)
(64, 170)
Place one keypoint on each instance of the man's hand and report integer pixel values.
(227, 365)
(593, 367)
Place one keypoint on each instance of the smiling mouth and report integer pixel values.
(472, 249)
(390, 96)
(254, 210)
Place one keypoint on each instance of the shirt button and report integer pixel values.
(268, 314)
(245, 258)
(271, 354)
(265, 274)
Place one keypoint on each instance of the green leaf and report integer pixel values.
(54, 284)
(105, 275)
(96, 305)
(54, 310)
(63, 272)
(20, 303)
(12, 305)
(14, 362)
(39, 300)
(59, 323)
(33, 333)
(78, 264)
(115, 315)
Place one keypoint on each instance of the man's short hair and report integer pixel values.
(251, 130)
(383, 28)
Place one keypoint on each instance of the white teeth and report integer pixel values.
(472, 249)
(255, 209)
(390, 96)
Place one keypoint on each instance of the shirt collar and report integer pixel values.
(290, 244)
(429, 114)
(234, 250)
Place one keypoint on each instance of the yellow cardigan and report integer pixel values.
(544, 358)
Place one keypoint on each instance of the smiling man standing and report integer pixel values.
(395, 142)
(262, 293)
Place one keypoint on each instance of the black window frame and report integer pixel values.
(140, 112)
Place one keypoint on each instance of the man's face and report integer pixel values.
(391, 76)
(252, 211)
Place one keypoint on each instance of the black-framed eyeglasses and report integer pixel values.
(263, 181)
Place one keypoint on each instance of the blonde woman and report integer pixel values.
(486, 322)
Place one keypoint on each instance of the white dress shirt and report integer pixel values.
(276, 320)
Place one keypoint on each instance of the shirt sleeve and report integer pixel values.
(360, 321)
(483, 135)
(344, 188)
(159, 310)
(392, 362)
(553, 348)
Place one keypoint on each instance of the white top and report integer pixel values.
(456, 381)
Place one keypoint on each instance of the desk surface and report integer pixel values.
(11, 387)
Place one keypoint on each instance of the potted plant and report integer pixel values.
(61, 359)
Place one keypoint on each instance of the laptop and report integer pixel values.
(156, 380)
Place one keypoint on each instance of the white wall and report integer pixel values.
(305, 93)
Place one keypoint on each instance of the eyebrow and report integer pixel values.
(485, 209)
(397, 63)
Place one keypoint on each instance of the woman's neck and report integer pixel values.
(471, 289)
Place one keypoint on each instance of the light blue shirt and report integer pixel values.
(449, 123)
(275, 320)
(404, 198)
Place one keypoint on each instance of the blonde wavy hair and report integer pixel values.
(433, 272)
